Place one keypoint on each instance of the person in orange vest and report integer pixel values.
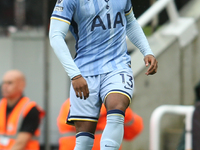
(0, 93)
(133, 125)
(19, 117)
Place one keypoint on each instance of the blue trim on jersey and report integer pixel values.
(70, 119)
(119, 91)
(61, 17)
(82, 117)
(85, 134)
(69, 122)
(115, 111)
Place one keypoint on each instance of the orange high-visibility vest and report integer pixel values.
(133, 125)
(68, 132)
(9, 127)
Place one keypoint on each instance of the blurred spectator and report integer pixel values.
(133, 125)
(197, 92)
(20, 117)
(6, 12)
(195, 124)
(34, 12)
(0, 93)
(196, 121)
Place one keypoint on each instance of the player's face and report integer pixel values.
(10, 87)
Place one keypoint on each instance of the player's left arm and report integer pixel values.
(137, 37)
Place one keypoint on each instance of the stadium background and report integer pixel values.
(35, 9)
(24, 50)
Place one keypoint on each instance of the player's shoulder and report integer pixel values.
(60, 2)
(68, 4)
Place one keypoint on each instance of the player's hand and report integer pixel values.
(80, 87)
(150, 59)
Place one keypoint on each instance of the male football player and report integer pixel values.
(100, 72)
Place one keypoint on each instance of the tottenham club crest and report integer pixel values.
(59, 1)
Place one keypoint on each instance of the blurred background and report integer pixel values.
(24, 45)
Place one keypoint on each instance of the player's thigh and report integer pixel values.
(85, 126)
(117, 101)
(117, 89)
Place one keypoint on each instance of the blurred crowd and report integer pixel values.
(33, 12)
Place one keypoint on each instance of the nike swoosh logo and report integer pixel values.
(127, 87)
(110, 146)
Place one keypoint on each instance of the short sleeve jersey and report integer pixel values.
(99, 27)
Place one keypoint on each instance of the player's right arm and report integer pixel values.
(57, 34)
(59, 26)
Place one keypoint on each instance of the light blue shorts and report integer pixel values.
(100, 86)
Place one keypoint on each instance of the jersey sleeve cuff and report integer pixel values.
(60, 18)
(72, 76)
(128, 12)
(149, 53)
